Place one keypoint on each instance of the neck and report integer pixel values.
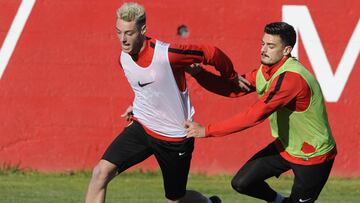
(143, 44)
(141, 47)
(281, 61)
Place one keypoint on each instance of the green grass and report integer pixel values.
(140, 187)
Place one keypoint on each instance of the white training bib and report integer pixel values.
(158, 103)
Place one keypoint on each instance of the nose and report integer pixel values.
(263, 48)
(122, 37)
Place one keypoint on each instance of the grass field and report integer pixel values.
(140, 187)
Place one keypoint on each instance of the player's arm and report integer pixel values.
(221, 86)
(281, 92)
(185, 56)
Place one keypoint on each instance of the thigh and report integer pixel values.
(263, 165)
(309, 181)
(174, 159)
(129, 148)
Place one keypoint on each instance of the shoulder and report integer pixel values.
(187, 49)
(289, 81)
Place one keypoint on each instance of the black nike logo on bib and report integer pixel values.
(144, 84)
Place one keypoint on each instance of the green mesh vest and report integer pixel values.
(293, 128)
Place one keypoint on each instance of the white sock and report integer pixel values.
(208, 200)
(278, 199)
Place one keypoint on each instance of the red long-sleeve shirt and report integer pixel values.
(288, 90)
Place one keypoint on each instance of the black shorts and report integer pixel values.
(308, 180)
(134, 145)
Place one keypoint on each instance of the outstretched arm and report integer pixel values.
(220, 85)
(183, 55)
(280, 93)
(189, 57)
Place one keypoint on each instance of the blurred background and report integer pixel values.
(62, 91)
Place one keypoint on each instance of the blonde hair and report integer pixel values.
(132, 12)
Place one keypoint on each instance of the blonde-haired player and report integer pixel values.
(156, 72)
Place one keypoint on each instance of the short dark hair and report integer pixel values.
(285, 31)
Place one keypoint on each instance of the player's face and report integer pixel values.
(273, 50)
(131, 37)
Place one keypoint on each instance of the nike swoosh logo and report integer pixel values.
(304, 200)
(144, 84)
(181, 153)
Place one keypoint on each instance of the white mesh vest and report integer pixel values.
(158, 103)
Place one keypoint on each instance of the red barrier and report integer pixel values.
(62, 91)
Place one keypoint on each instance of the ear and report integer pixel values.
(287, 50)
(143, 29)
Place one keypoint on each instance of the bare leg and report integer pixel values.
(102, 174)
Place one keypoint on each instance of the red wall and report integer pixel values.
(62, 92)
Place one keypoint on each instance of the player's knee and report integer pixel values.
(102, 175)
(238, 185)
